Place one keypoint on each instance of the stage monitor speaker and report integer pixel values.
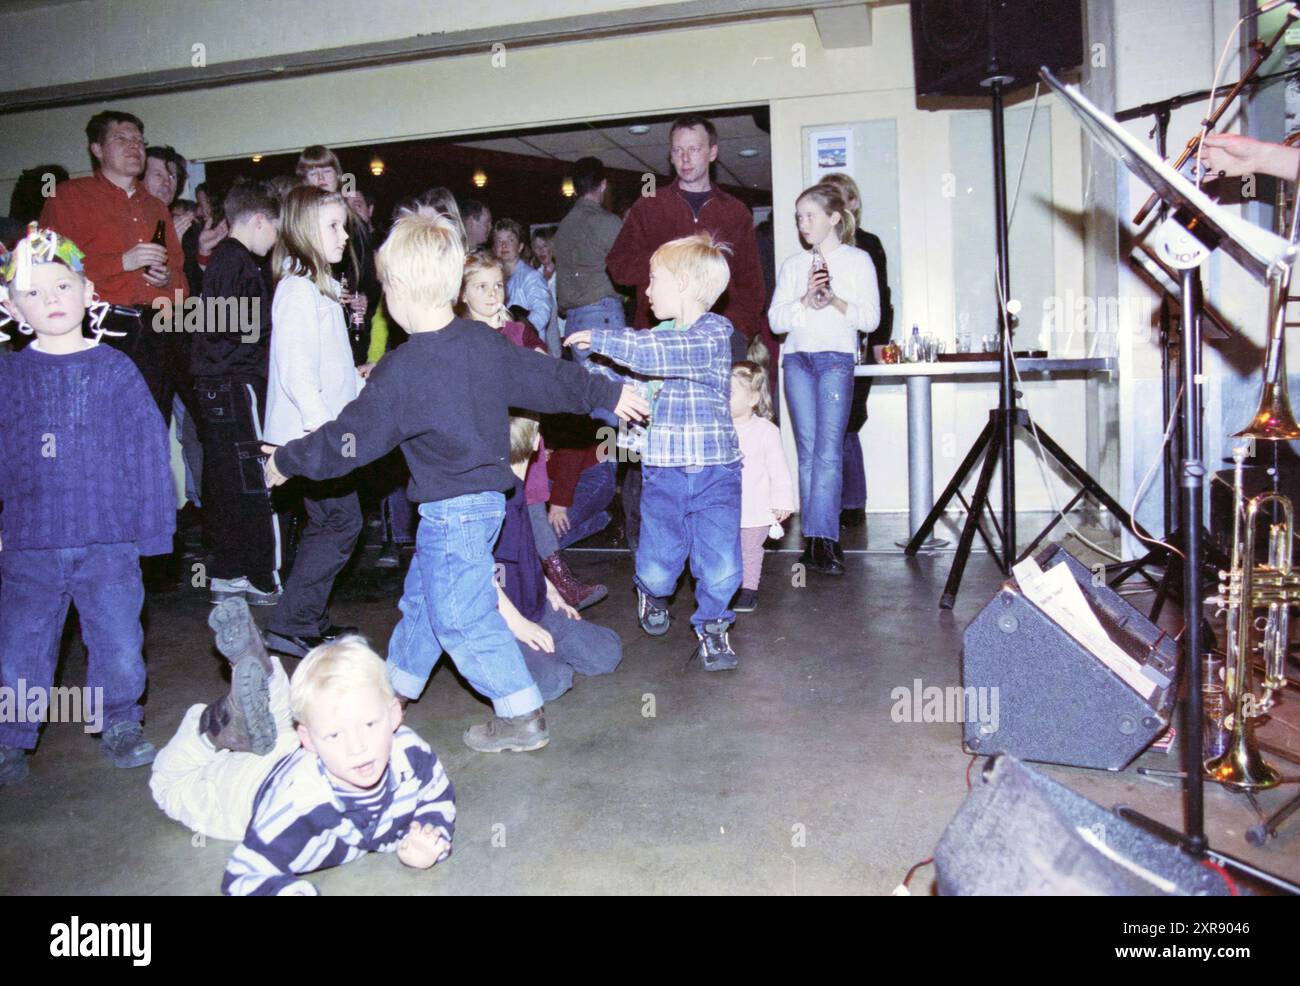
(1019, 833)
(958, 44)
(1057, 701)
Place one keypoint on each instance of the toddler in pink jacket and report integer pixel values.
(767, 495)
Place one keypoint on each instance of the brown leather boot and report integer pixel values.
(577, 594)
(242, 721)
(518, 735)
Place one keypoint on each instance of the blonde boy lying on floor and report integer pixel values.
(309, 774)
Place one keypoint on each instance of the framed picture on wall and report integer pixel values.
(831, 151)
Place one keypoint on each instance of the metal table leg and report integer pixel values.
(920, 460)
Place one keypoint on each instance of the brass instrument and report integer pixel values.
(1250, 586)
(1273, 419)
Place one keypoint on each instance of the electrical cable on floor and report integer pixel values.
(1227, 878)
(902, 889)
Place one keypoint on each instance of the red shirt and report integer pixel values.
(653, 220)
(105, 222)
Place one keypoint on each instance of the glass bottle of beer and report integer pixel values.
(160, 233)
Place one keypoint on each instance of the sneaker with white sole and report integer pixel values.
(219, 590)
(714, 652)
(651, 613)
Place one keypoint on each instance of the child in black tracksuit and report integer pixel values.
(228, 361)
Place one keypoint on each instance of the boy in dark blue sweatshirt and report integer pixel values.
(444, 397)
(87, 490)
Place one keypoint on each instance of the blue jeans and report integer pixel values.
(691, 512)
(450, 602)
(580, 646)
(103, 580)
(604, 314)
(819, 391)
(595, 490)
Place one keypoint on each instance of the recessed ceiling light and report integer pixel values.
(638, 129)
(748, 152)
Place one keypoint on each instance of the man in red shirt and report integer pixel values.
(692, 203)
(687, 206)
(112, 219)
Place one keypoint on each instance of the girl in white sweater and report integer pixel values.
(311, 377)
(821, 317)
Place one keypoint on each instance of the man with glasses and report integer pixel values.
(113, 219)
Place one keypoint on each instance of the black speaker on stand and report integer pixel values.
(987, 48)
(958, 44)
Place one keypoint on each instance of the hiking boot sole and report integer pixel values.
(250, 690)
(236, 635)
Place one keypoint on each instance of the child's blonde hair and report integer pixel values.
(757, 352)
(298, 250)
(831, 200)
(754, 380)
(702, 260)
(343, 666)
(523, 439)
(425, 257)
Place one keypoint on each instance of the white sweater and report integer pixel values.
(808, 330)
(311, 376)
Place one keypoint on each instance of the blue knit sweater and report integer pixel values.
(84, 457)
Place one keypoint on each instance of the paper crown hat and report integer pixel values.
(39, 246)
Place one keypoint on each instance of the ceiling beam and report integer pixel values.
(586, 27)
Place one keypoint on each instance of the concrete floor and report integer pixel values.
(788, 776)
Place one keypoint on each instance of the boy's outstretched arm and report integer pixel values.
(686, 355)
(364, 430)
(542, 383)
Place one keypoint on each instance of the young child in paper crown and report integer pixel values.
(86, 488)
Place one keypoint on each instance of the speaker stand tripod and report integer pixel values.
(996, 443)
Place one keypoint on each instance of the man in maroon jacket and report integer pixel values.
(690, 205)
(687, 206)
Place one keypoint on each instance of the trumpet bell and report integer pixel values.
(1273, 421)
(1241, 768)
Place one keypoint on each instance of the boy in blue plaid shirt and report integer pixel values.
(690, 503)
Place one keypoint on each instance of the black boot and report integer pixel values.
(824, 561)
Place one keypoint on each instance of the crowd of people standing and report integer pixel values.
(480, 384)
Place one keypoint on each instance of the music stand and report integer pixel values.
(1196, 227)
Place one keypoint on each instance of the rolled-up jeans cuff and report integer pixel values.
(518, 703)
(406, 684)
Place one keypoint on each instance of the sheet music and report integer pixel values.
(1058, 595)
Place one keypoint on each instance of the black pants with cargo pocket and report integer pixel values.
(239, 518)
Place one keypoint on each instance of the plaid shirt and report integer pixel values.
(300, 825)
(690, 424)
